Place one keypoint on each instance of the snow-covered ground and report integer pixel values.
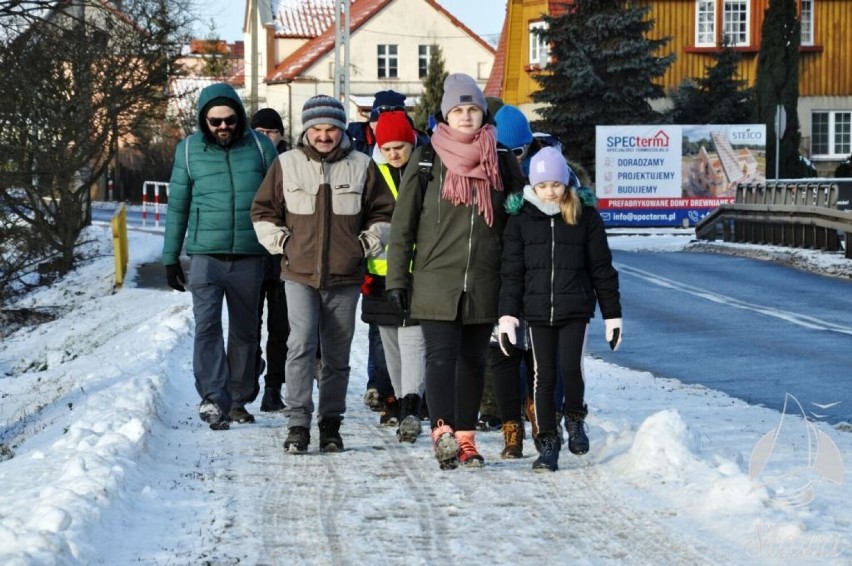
(105, 460)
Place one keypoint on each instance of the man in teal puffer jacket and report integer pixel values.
(216, 173)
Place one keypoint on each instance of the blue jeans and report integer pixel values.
(378, 377)
(225, 375)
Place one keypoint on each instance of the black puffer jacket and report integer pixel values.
(553, 272)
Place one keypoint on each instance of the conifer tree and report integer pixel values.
(718, 97)
(433, 90)
(601, 72)
(778, 84)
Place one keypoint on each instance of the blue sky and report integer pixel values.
(228, 17)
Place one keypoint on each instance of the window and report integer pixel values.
(538, 48)
(387, 61)
(831, 133)
(735, 21)
(705, 23)
(807, 20)
(424, 53)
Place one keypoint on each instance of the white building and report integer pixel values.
(389, 46)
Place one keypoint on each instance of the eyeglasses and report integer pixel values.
(229, 121)
(520, 151)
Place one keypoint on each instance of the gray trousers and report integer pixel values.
(405, 355)
(226, 377)
(331, 314)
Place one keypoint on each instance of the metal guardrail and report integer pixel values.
(791, 214)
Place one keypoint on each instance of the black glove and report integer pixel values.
(398, 300)
(175, 277)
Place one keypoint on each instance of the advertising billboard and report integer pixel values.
(674, 175)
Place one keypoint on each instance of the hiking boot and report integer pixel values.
(513, 440)
(210, 413)
(330, 440)
(390, 412)
(372, 400)
(298, 439)
(529, 412)
(488, 422)
(575, 423)
(272, 402)
(240, 415)
(445, 445)
(469, 456)
(548, 458)
(409, 415)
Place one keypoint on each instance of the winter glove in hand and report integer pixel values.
(613, 332)
(175, 277)
(506, 329)
(370, 243)
(398, 300)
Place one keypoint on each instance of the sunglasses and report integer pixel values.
(380, 109)
(229, 121)
(520, 151)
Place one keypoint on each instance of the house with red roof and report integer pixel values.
(390, 42)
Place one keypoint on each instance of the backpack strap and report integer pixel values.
(186, 156)
(260, 149)
(424, 167)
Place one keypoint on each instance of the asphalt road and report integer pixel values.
(753, 329)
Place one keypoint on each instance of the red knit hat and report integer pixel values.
(394, 126)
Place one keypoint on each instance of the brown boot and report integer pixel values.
(513, 440)
(529, 411)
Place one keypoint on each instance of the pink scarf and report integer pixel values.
(472, 168)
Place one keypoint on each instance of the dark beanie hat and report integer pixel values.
(386, 100)
(220, 101)
(268, 119)
(323, 109)
(513, 128)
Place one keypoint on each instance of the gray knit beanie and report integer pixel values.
(323, 109)
(461, 89)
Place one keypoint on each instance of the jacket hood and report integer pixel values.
(221, 90)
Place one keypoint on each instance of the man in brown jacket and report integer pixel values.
(324, 207)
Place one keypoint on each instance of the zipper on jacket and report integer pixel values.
(325, 222)
(469, 241)
(233, 201)
(552, 264)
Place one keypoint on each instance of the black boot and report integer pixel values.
(575, 424)
(330, 440)
(548, 458)
(271, 402)
(409, 418)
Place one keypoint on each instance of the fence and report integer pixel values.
(792, 214)
(153, 188)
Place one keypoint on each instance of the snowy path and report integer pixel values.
(253, 504)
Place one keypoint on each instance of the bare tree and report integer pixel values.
(75, 77)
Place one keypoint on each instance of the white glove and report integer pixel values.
(281, 239)
(613, 332)
(370, 243)
(506, 332)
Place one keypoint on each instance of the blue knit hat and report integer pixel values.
(513, 128)
(549, 165)
(386, 100)
(323, 109)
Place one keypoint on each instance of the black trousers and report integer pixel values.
(507, 378)
(455, 371)
(569, 341)
(278, 330)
